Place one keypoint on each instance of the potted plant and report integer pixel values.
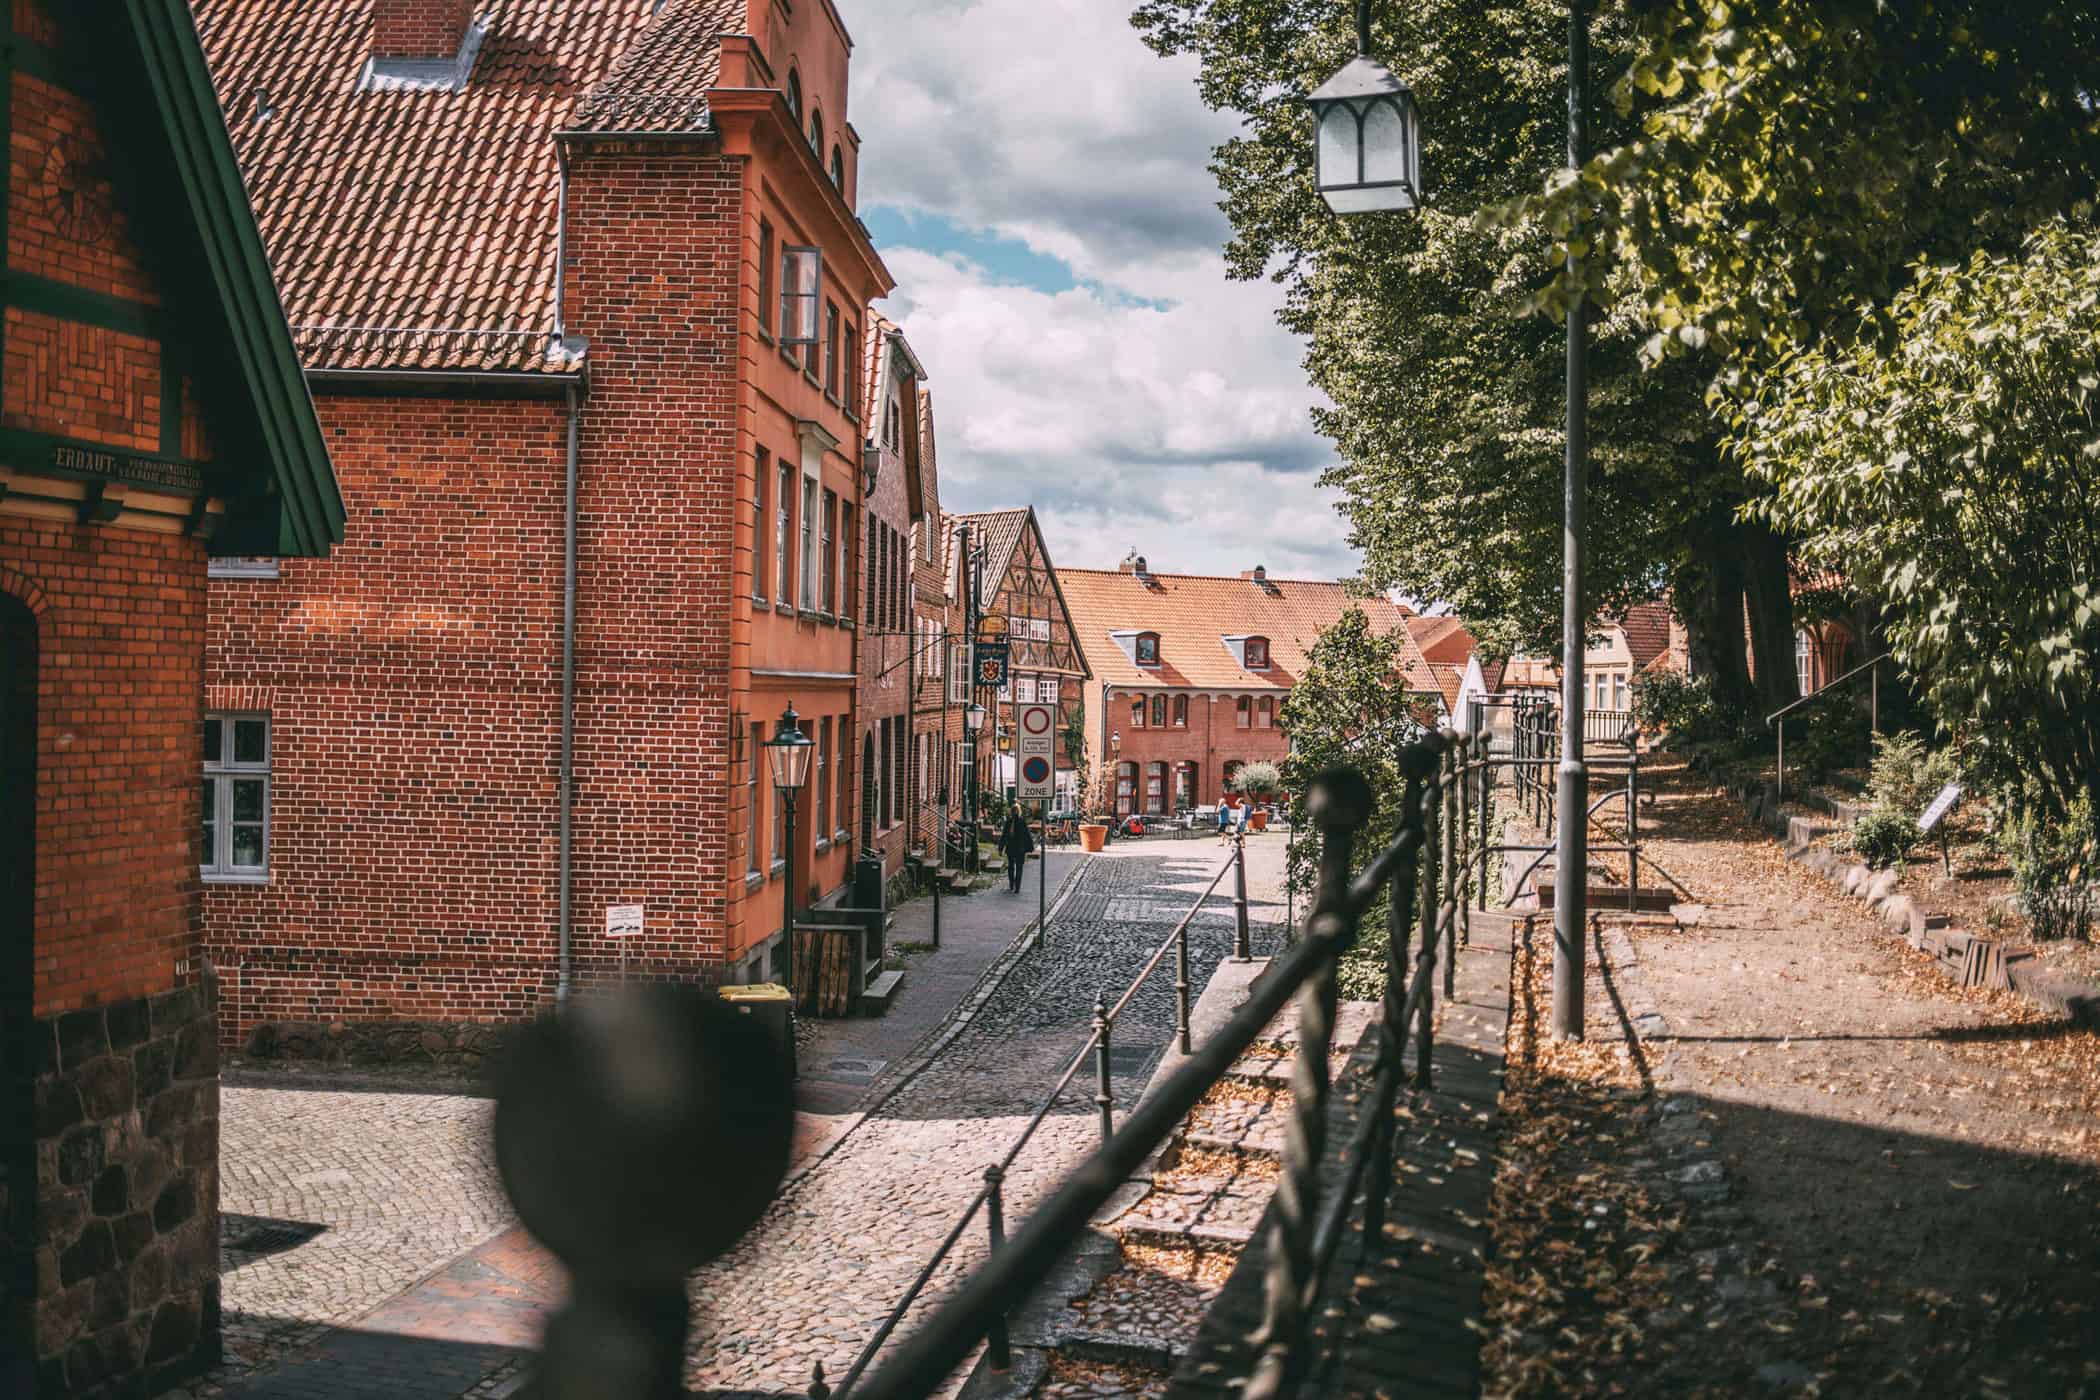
(1258, 783)
(1096, 798)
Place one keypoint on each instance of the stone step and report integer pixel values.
(1245, 1127)
(1352, 1021)
(881, 992)
(1196, 1210)
(1270, 1068)
(1654, 899)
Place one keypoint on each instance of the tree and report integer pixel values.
(1447, 396)
(1350, 707)
(1953, 469)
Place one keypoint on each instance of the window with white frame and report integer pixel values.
(817, 780)
(801, 301)
(831, 578)
(958, 675)
(1618, 690)
(1024, 690)
(1805, 662)
(236, 797)
(1046, 690)
(784, 537)
(809, 540)
(753, 761)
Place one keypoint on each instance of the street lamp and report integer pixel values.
(1115, 794)
(787, 754)
(1368, 155)
(1368, 158)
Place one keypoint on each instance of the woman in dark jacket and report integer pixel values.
(1015, 843)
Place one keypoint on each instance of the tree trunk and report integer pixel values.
(1768, 590)
(1708, 591)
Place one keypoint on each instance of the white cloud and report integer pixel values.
(1157, 404)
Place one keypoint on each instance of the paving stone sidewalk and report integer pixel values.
(370, 1251)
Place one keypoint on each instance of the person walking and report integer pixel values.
(1015, 843)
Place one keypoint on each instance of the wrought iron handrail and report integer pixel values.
(1096, 1045)
(1303, 1230)
(1772, 719)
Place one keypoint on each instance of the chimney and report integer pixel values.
(420, 29)
(1258, 574)
(1133, 563)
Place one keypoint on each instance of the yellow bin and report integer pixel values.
(773, 1005)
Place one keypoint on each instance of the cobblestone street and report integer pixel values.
(369, 1250)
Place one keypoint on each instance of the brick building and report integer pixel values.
(578, 287)
(941, 683)
(151, 416)
(902, 512)
(1191, 672)
(1017, 581)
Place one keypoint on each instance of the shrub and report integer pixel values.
(1907, 775)
(1257, 779)
(2053, 868)
(1883, 838)
(1683, 705)
(1836, 738)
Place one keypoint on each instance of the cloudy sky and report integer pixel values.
(1036, 180)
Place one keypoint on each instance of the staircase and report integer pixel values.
(1123, 1313)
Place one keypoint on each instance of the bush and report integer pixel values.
(1836, 738)
(1683, 705)
(1907, 775)
(1257, 779)
(2053, 868)
(1883, 838)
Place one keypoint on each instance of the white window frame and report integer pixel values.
(801, 296)
(959, 675)
(221, 772)
(1046, 690)
(754, 848)
(1804, 661)
(808, 561)
(784, 534)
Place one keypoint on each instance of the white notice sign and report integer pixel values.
(623, 921)
(1941, 806)
(1035, 752)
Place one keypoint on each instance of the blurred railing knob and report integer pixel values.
(639, 1134)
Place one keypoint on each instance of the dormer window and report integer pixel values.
(1257, 653)
(1148, 648)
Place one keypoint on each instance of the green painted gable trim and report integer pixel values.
(296, 476)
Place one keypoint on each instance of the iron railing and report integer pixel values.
(1872, 668)
(990, 1198)
(1445, 777)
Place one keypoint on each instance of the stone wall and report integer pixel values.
(451, 1045)
(127, 1211)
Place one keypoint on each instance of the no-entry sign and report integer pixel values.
(1035, 747)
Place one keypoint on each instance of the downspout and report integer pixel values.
(568, 686)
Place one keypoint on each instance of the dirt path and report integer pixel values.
(1834, 1174)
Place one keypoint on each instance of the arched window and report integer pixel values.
(1181, 712)
(1805, 661)
(1137, 712)
(838, 168)
(1245, 717)
(1126, 788)
(795, 95)
(1148, 649)
(816, 133)
(1159, 712)
(1257, 653)
(1155, 787)
(1268, 712)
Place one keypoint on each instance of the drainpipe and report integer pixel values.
(568, 686)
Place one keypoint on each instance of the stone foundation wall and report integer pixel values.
(127, 1208)
(451, 1045)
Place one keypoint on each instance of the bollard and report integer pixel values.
(1000, 1351)
(818, 1390)
(1242, 941)
(1104, 1090)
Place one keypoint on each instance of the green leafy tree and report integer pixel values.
(1448, 398)
(1952, 467)
(1350, 708)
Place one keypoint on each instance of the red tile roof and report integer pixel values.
(1442, 638)
(417, 228)
(1193, 614)
(1647, 629)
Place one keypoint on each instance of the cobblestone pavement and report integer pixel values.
(370, 1252)
(816, 1277)
(335, 1202)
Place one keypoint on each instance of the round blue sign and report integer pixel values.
(1036, 769)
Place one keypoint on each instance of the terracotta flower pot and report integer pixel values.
(1259, 821)
(1091, 837)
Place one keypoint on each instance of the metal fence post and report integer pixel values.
(1392, 1008)
(1487, 807)
(1104, 1090)
(1633, 826)
(1340, 802)
(1242, 939)
(1000, 1350)
(1462, 853)
(1181, 985)
(818, 1390)
(1432, 801)
(1448, 775)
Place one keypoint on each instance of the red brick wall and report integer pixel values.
(419, 28)
(413, 684)
(120, 635)
(886, 645)
(1211, 740)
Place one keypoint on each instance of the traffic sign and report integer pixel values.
(623, 921)
(1036, 739)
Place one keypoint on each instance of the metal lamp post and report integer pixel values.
(787, 754)
(1115, 792)
(1368, 158)
(973, 725)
